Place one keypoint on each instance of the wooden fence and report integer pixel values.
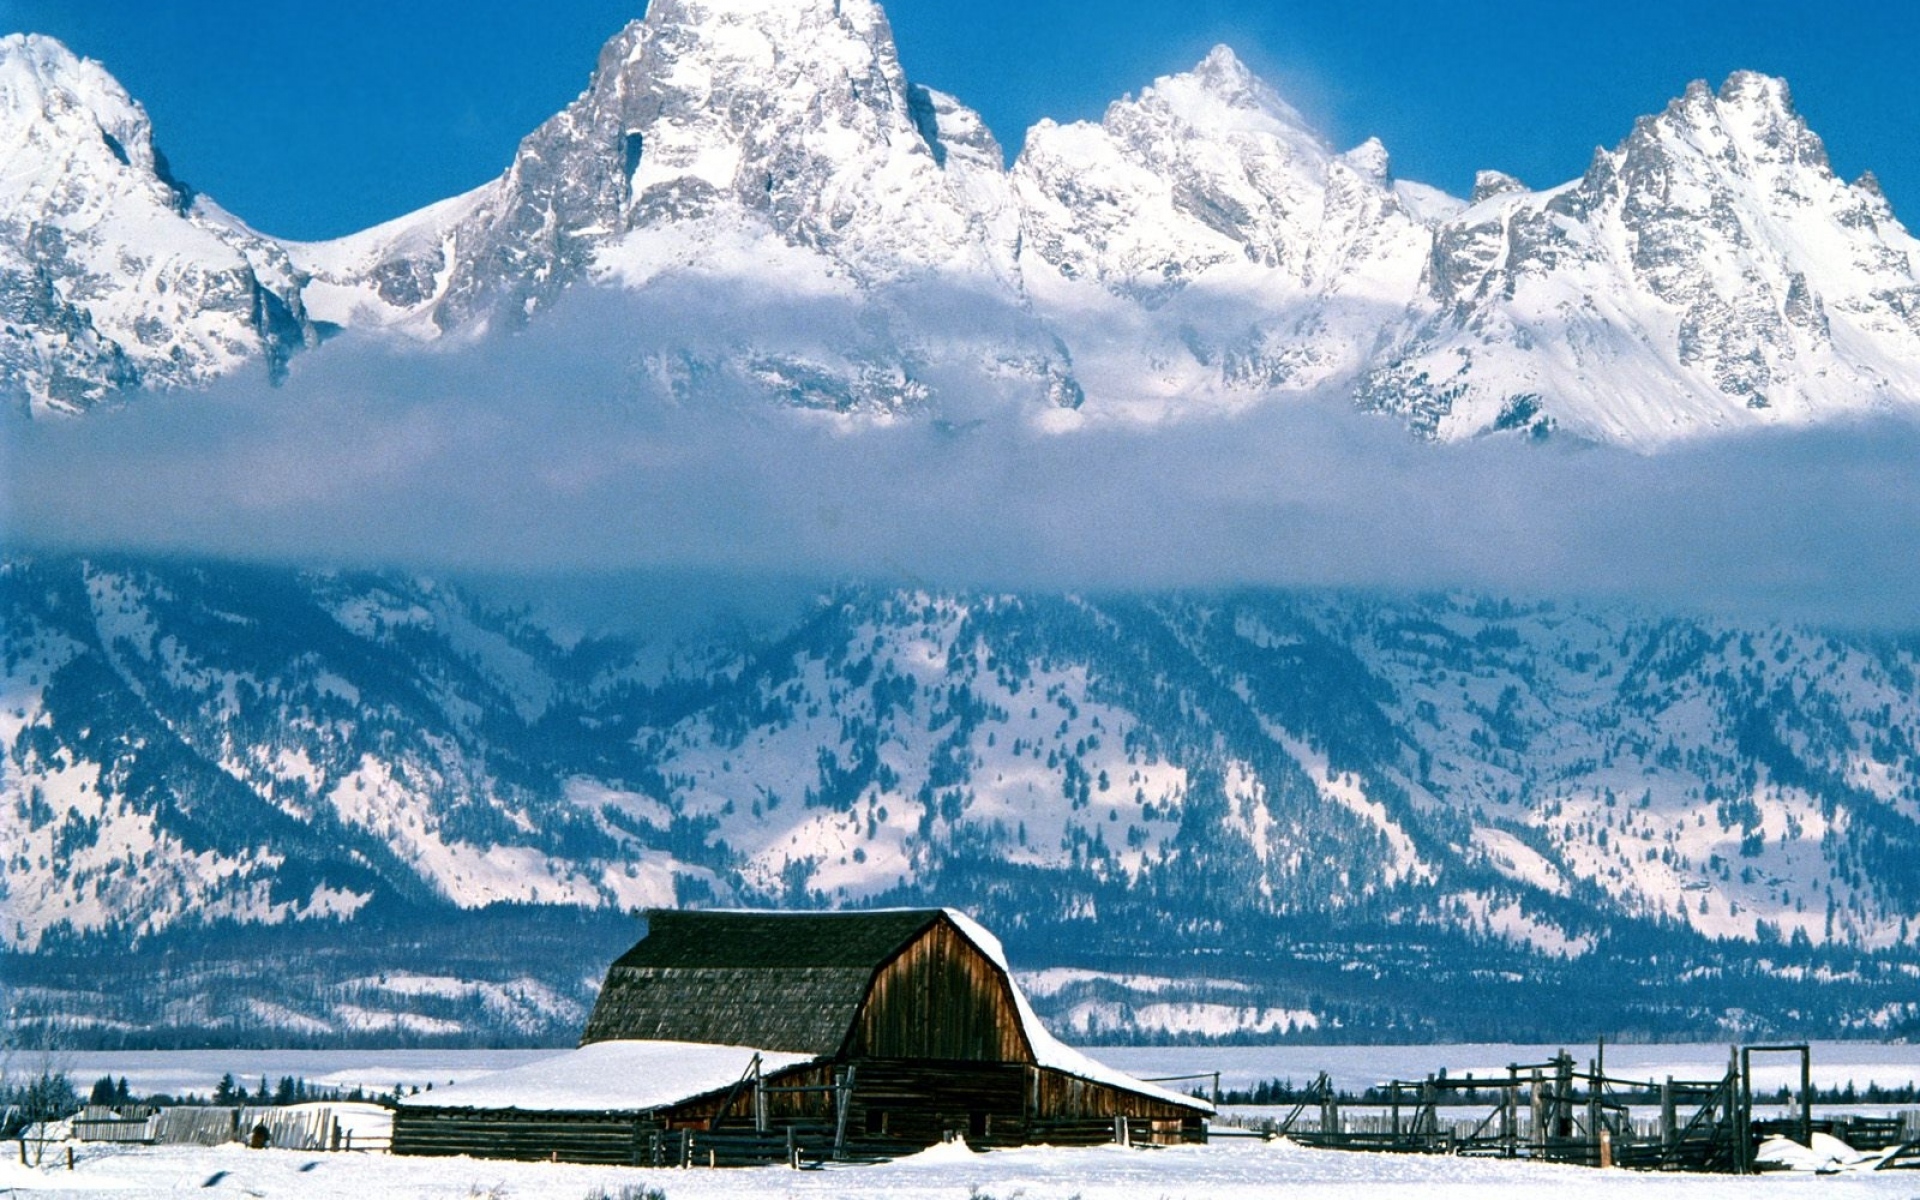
(302, 1128)
(1555, 1112)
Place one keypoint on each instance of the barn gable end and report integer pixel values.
(939, 997)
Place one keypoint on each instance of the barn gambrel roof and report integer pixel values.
(779, 981)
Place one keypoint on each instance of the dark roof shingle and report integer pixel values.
(774, 981)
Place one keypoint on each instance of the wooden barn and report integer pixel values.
(742, 1037)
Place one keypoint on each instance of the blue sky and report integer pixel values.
(315, 120)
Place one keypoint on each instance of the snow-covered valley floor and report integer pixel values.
(1835, 1064)
(1225, 1170)
(1222, 1171)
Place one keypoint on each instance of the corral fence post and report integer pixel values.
(1806, 1095)
(842, 1102)
(1563, 1096)
(1743, 1124)
(1537, 1096)
(1594, 1128)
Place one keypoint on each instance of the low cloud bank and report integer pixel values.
(553, 453)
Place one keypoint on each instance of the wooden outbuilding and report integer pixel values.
(760, 1036)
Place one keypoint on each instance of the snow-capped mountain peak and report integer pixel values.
(112, 272)
(1199, 247)
(744, 122)
(1221, 85)
(1203, 169)
(1709, 273)
(69, 108)
(1370, 160)
(1244, 256)
(1760, 107)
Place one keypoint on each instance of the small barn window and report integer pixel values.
(977, 1124)
(876, 1121)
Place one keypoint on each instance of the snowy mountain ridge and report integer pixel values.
(216, 747)
(1199, 249)
(1708, 269)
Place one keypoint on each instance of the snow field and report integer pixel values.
(1225, 1170)
(1353, 1068)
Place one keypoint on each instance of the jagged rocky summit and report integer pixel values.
(1199, 249)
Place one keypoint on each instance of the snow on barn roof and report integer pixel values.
(617, 1076)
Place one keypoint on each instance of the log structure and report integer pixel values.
(732, 1037)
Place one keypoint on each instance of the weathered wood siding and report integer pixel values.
(599, 1137)
(939, 998)
(921, 1102)
(1068, 1096)
(783, 1107)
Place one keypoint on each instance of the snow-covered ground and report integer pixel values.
(1835, 1064)
(378, 1072)
(1222, 1171)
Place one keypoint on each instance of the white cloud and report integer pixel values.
(550, 452)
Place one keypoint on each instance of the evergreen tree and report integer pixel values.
(49, 1097)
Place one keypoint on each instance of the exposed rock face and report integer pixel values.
(793, 119)
(1204, 170)
(114, 274)
(764, 147)
(1239, 252)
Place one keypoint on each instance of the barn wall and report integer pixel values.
(895, 1105)
(921, 1102)
(891, 1100)
(940, 998)
(783, 1108)
(1067, 1096)
(618, 1138)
